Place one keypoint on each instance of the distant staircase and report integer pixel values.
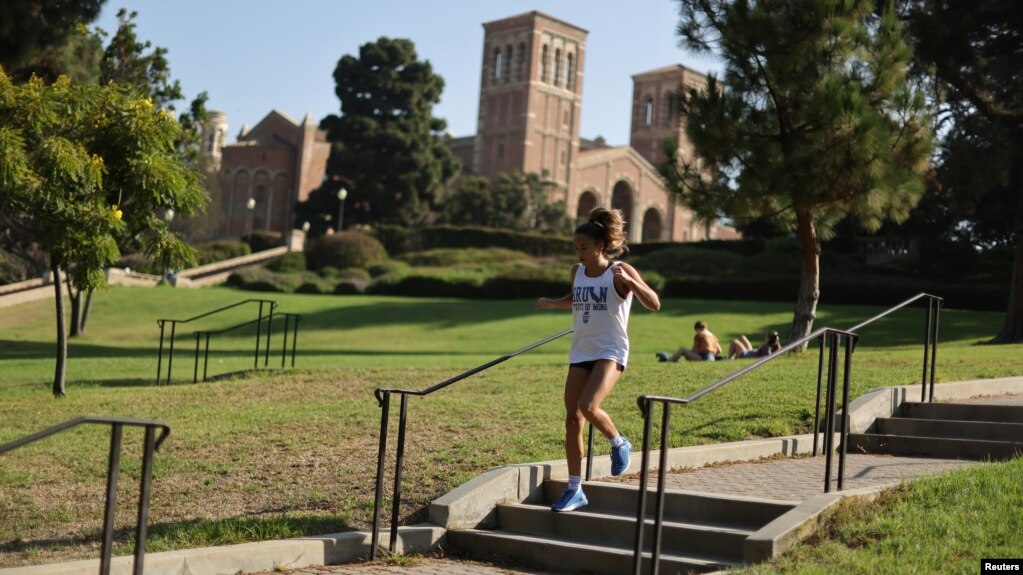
(947, 430)
(702, 532)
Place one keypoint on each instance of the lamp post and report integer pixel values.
(250, 205)
(342, 194)
(168, 217)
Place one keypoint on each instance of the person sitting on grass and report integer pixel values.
(705, 347)
(741, 348)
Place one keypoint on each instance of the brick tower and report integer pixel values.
(530, 97)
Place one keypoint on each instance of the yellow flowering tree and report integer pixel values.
(82, 166)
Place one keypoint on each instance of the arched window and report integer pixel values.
(544, 60)
(508, 59)
(557, 67)
(497, 63)
(570, 72)
(648, 114)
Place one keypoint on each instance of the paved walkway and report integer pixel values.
(789, 479)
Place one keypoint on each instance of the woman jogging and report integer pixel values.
(600, 300)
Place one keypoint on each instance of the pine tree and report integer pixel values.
(815, 121)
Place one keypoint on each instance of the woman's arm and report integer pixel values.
(563, 302)
(627, 279)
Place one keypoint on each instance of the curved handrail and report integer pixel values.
(174, 325)
(383, 396)
(643, 399)
(150, 446)
(378, 392)
(896, 308)
(645, 402)
(273, 305)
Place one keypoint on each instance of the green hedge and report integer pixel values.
(289, 262)
(212, 252)
(345, 250)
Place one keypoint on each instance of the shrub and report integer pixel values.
(345, 250)
(262, 279)
(287, 263)
(12, 270)
(468, 256)
(315, 285)
(397, 239)
(430, 283)
(138, 263)
(354, 274)
(388, 267)
(261, 240)
(686, 260)
(477, 237)
(746, 247)
(211, 252)
(527, 283)
(350, 287)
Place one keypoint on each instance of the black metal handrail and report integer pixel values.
(383, 396)
(934, 304)
(174, 323)
(827, 336)
(151, 445)
(200, 335)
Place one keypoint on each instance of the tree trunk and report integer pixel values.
(85, 312)
(76, 306)
(59, 372)
(809, 285)
(1012, 327)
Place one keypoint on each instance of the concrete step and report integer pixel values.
(618, 530)
(564, 555)
(956, 429)
(962, 412)
(934, 447)
(733, 511)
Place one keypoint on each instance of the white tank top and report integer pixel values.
(600, 318)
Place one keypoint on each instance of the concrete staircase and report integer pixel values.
(701, 532)
(948, 430)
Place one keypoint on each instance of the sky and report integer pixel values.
(253, 56)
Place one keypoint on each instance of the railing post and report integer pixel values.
(934, 343)
(159, 358)
(589, 454)
(110, 511)
(144, 488)
(381, 450)
(284, 347)
(206, 358)
(817, 410)
(829, 424)
(195, 364)
(662, 472)
(259, 333)
(170, 350)
(294, 341)
(645, 406)
(927, 344)
(847, 371)
(269, 329)
(398, 467)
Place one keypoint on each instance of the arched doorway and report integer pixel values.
(653, 228)
(587, 201)
(621, 199)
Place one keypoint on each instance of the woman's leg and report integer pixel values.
(575, 384)
(687, 353)
(602, 380)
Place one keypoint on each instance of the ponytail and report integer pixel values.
(608, 227)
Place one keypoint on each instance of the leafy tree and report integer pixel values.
(816, 120)
(514, 201)
(82, 167)
(127, 62)
(386, 142)
(45, 38)
(976, 50)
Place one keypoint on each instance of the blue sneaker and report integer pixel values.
(662, 356)
(620, 457)
(571, 500)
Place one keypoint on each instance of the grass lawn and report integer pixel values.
(942, 524)
(281, 453)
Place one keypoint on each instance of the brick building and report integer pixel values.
(275, 164)
(529, 111)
